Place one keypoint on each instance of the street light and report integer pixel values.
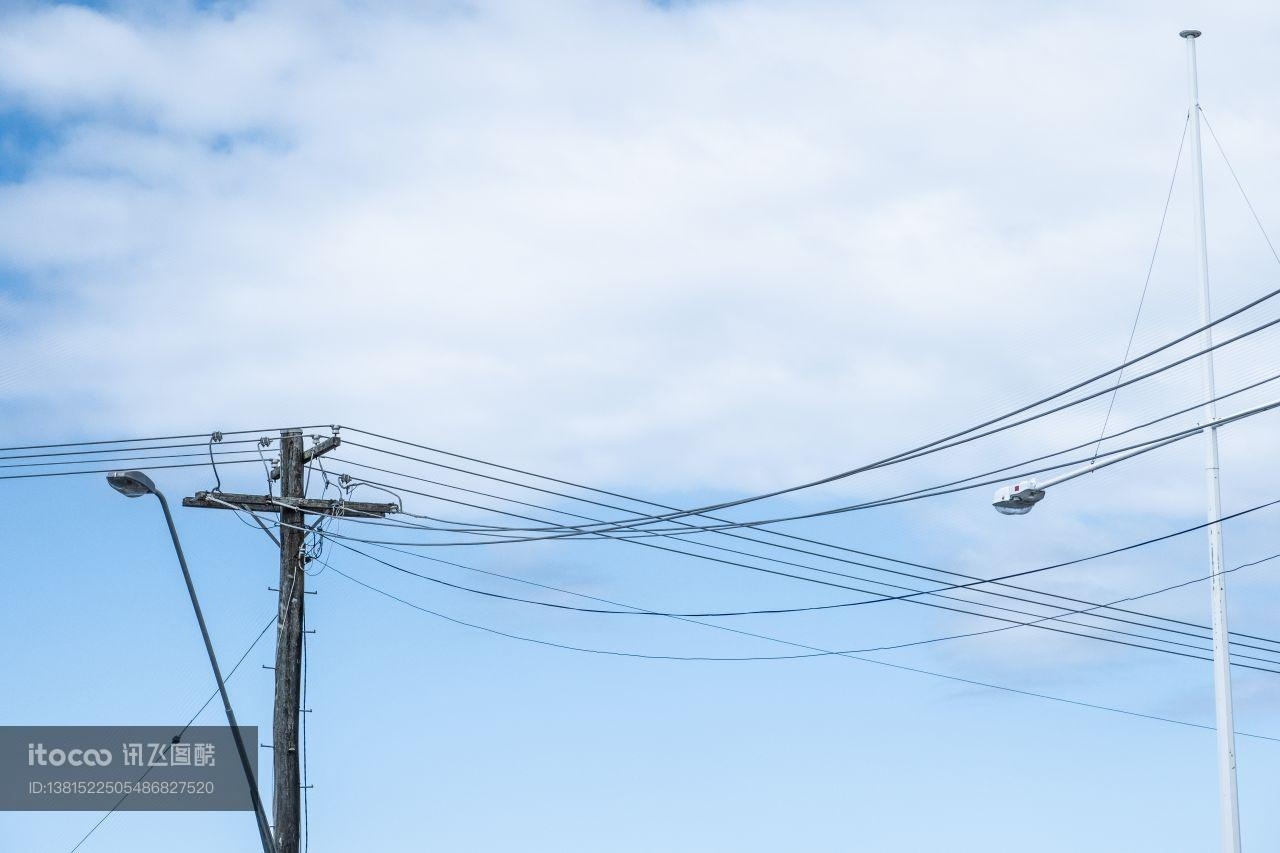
(1008, 501)
(1021, 497)
(135, 484)
(1018, 499)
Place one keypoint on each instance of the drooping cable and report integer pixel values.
(975, 432)
(200, 435)
(975, 582)
(778, 537)
(815, 652)
(626, 524)
(114, 808)
(110, 470)
(1011, 623)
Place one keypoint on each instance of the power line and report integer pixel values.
(231, 672)
(900, 586)
(480, 529)
(605, 528)
(980, 590)
(201, 435)
(823, 607)
(190, 722)
(110, 470)
(914, 593)
(124, 459)
(1058, 565)
(879, 596)
(1036, 623)
(964, 485)
(779, 535)
(939, 490)
(972, 433)
(816, 652)
(181, 446)
(626, 524)
(624, 531)
(646, 612)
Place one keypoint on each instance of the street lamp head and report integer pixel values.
(1018, 499)
(131, 484)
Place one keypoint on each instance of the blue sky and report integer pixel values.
(686, 253)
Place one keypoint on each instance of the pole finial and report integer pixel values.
(1190, 34)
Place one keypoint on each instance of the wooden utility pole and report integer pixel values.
(292, 506)
(284, 726)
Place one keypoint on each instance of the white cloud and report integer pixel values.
(727, 245)
(722, 247)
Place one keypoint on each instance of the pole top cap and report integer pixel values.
(1190, 34)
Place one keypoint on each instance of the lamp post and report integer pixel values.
(1020, 498)
(1229, 807)
(133, 484)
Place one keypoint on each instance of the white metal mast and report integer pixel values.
(1227, 790)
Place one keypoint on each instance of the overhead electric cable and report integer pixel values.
(791, 537)
(628, 524)
(181, 446)
(483, 529)
(1091, 606)
(569, 531)
(181, 732)
(1240, 643)
(1084, 610)
(972, 433)
(981, 581)
(625, 524)
(609, 528)
(201, 435)
(110, 470)
(124, 459)
(1012, 623)
(975, 584)
(817, 652)
(910, 597)
(844, 549)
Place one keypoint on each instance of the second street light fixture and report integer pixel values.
(1020, 498)
(135, 484)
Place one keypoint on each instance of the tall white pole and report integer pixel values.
(1229, 805)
